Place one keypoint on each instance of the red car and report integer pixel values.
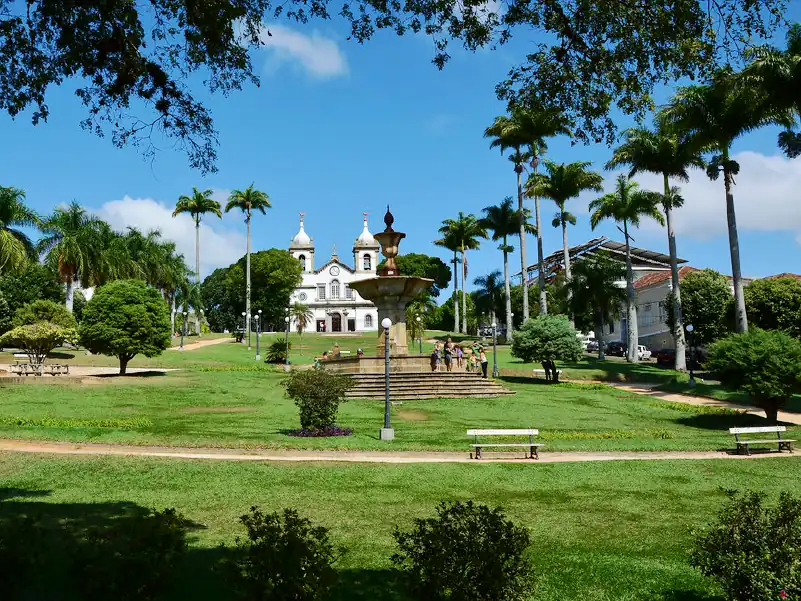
(666, 357)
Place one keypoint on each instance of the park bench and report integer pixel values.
(744, 444)
(25, 369)
(531, 433)
(56, 369)
(541, 372)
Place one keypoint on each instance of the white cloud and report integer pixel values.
(318, 55)
(767, 198)
(219, 247)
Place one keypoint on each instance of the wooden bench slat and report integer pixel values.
(771, 441)
(511, 444)
(502, 432)
(758, 430)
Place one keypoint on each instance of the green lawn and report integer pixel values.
(600, 531)
(715, 390)
(249, 409)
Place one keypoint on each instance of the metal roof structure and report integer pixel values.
(640, 257)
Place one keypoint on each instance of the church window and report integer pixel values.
(321, 292)
(348, 292)
(368, 321)
(335, 289)
(368, 263)
(302, 259)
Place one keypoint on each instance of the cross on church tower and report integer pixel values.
(334, 251)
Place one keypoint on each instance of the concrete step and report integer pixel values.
(427, 385)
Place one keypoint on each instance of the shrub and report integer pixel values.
(547, 339)
(467, 552)
(38, 339)
(44, 310)
(134, 558)
(276, 352)
(317, 393)
(753, 551)
(764, 364)
(5, 315)
(284, 558)
(126, 318)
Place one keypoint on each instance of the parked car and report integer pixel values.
(666, 357)
(643, 354)
(592, 346)
(616, 349)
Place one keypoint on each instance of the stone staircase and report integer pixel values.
(427, 385)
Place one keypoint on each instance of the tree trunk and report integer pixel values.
(554, 371)
(508, 290)
(455, 294)
(523, 266)
(678, 323)
(566, 253)
(741, 319)
(540, 263)
(70, 293)
(197, 272)
(124, 364)
(631, 307)
(599, 336)
(771, 408)
(172, 313)
(464, 296)
(247, 277)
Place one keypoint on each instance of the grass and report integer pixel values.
(248, 409)
(600, 531)
(715, 390)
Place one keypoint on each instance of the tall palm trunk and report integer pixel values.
(523, 266)
(566, 258)
(70, 292)
(599, 336)
(455, 294)
(464, 296)
(507, 287)
(678, 325)
(197, 272)
(631, 308)
(172, 312)
(247, 276)
(741, 323)
(540, 262)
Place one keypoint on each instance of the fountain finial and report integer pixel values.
(389, 220)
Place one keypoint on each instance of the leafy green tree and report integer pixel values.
(670, 155)
(547, 339)
(488, 293)
(302, 316)
(78, 303)
(16, 247)
(627, 205)
(113, 259)
(71, 244)
(529, 128)
(764, 364)
(426, 309)
(125, 318)
(5, 315)
(44, 310)
(38, 339)
(713, 116)
(34, 282)
(247, 201)
(706, 298)
(223, 307)
(443, 317)
(424, 266)
(775, 304)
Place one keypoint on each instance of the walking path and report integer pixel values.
(650, 390)
(277, 455)
(201, 343)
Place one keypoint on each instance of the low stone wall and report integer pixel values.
(375, 365)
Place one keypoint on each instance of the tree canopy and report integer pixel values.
(775, 304)
(126, 318)
(424, 266)
(705, 303)
(547, 338)
(34, 282)
(44, 310)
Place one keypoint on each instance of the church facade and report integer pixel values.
(326, 289)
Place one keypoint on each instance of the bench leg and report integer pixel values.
(478, 452)
(534, 453)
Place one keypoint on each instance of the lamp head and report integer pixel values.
(259, 311)
(386, 323)
(257, 318)
(418, 319)
(689, 327)
(286, 319)
(243, 313)
(494, 325)
(184, 313)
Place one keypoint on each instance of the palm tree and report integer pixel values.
(197, 205)
(489, 291)
(174, 277)
(145, 251)
(467, 231)
(671, 156)
(15, 246)
(561, 183)
(248, 200)
(420, 307)
(527, 128)
(502, 221)
(594, 287)
(112, 260)
(303, 316)
(71, 243)
(627, 205)
(712, 117)
(449, 242)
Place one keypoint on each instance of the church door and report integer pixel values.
(336, 322)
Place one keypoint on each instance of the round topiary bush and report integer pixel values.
(317, 393)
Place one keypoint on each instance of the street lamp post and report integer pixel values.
(258, 331)
(200, 325)
(183, 332)
(244, 326)
(494, 350)
(286, 359)
(690, 329)
(387, 432)
(248, 326)
(420, 332)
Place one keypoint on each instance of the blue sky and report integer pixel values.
(337, 128)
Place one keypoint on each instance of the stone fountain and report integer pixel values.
(391, 291)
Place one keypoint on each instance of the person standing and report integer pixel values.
(482, 356)
(459, 356)
(448, 354)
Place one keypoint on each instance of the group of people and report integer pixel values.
(451, 353)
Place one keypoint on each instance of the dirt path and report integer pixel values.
(63, 448)
(201, 343)
(650, 390)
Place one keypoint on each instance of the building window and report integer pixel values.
(368, 321)
(302, 259)
(612, 328)
(368, 263)
(348, 292)
(648, 318)
(335, 290)
(321, 292)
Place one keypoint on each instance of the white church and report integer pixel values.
(326, 290)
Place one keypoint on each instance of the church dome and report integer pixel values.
(301, 239)
(366, 238)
